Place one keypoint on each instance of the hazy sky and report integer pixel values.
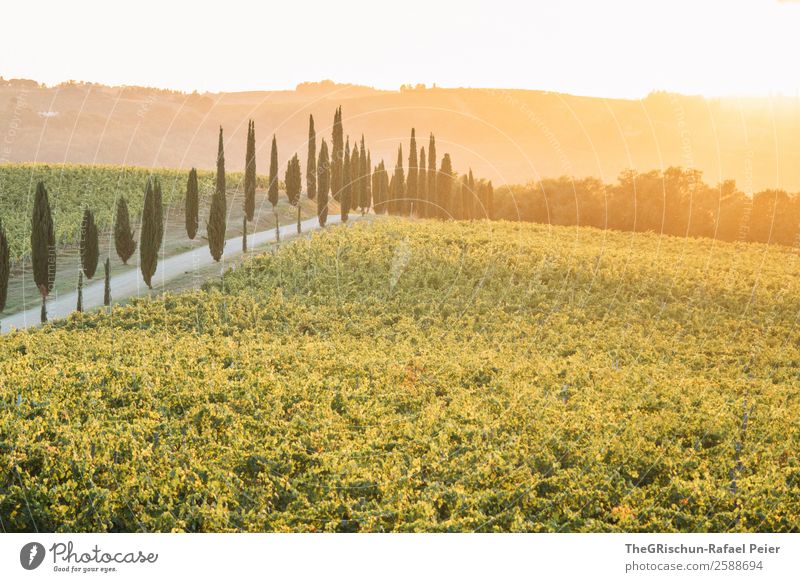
(589, 47)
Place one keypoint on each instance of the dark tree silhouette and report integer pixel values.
(43, 246)
(323, 183)
(337, 155)
(192, 206)
(149, 241)
(433, 198)
(344, 197)
(311, 162)
(89, 244)
(272, 192)
(250, 172)
(294, 186)
(422, 185)
(79, 306)
(218, 214)
(107, 282)
(124, 242)
(413, 172)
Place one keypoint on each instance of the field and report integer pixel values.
(422, 376)
(72, 187)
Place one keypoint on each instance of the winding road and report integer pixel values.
(130, 284)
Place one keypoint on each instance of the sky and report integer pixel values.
(610, 48)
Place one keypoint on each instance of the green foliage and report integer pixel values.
(347, 183)
(43, 243)
(337, 155)
(272, 192)
(71, 187)
(413, 174)
(124, 242)
(150, 239)
(498, 377)
(89, 244)
(192, 205)
(250, 172)
(293, 181)
(323, 183)
(218, 214)
(311, 163)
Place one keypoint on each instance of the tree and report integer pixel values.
(159, 210)
(217, 216)
(79, 306)
(323, 183)
(366, 191)
(192, 206)
(444, 188)
(311, 163)
(337, 155)
(413, 173)
(123, 233)
(397, 190)
(43, 246)
(250, 172)
(344, 197)
(355, 177)
(5, 267)
(149, 241)
(272, 192)
(89, 244)
(107, 283)
(469, 200)
(433, 198)
(294, 186)
(422, 185)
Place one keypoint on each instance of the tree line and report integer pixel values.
(675, 201)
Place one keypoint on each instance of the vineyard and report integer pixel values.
(73, 187)
(422, 376)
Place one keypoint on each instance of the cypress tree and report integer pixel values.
(337, 155)
(250, 172)
(123, 233)
(5, 266)
(192, 206)
(355, 181)
(216, 218)
(413, 172)
(43, 246)
(79, 307)
(397, 202)
(107, 281)
(366, 198)
(433, 198)
(422, 185)
(344, 198)
(148, 238)
(89, 244)
(294, 186)
(311, 163)
(272, 192)
(469, 201)
(444, 188)
(323, 183)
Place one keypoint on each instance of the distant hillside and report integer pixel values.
(510, 136)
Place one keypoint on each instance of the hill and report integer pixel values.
(508, 136)
(422, 376)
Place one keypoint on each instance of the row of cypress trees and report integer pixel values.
(342, 172)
